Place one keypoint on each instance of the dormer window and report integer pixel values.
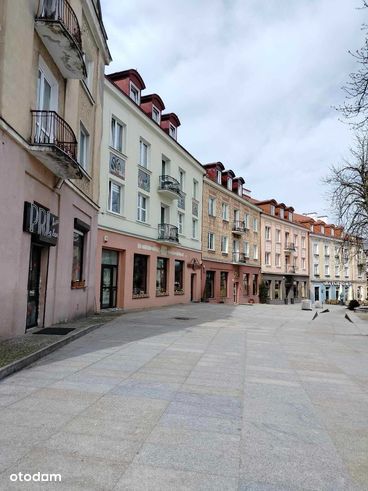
(312, 228)
(172, 131)
(156, 115)
(219, 177)
(272, 209)
(332, 232)
(282, 213)
(134, 93)
(240, 190)
(230, 184)
(322, 229)
(290, 216)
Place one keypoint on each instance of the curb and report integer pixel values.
(15, 366)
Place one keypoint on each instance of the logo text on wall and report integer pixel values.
(43, 225)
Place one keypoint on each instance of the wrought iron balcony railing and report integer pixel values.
(168, 183)
(168, 233)
(239, 226)
(290, 269)
(48, 128)
(239, 257)
(290, 246)
(61, 11)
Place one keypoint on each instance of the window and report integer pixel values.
(195, 189)
(277, 289)
(47, 89)
(303, 242)
(134, 93)
(255, 251)
(89, 68)
(161, 276)
(327, 250)
(78, 252)
(181, 223)
(278, 235)
(332, 232)
(240, 190)
(267, 232)
(143, 154)
(117, 129)
(211, 241)
(219, 177)
(315, 249)
(142, 208)
(268, 258)
(303, 262)
(209, 289)
(225, 211)
(322, 229)
(172, 131)
(212, 206)
(224, 244)
(278, 260)
(327, 270)
(246, 220)
(230, 184)
(140, 270)
(316, 270)
(246, 248)
(346, 271)
(236, 215)
(273, 209)
(337, 270)
(246, 284)
(255, 284)
(115, 195)
(312, 228)
(83, 146)
(179, 277)
(156, 115)
(255, 224)
(290, 216)
(182, 179)
(295, 240)
(194, 228)
(223, 284)
(282, 213)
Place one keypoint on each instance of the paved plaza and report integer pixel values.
(198, 397)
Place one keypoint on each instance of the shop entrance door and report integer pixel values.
(33, 294)
(108, 286)
(316, 293)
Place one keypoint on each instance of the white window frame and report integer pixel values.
(327, 270)
(240, 190)
(224, 244)
(278, 259)
(255, 251)
(315, 269)
(181, 223)
(88, 81)
(267, 258)
(246, 221)
(255, 224)
(114, 134)
(290, 216)
(172, 130)
(212, 206)
(273, 209)
(246, 248)
(156, 111)
(267, 232)
(219, 177)
(195, 188)
(142, 212)
(316, 249)
(47, 75)
(137, 99)
(84, 144)
(182, 179)
(229, 184)
(211, 241)
(111, 184)
(225, 211)
(194, 228)
(282, 213)
(278, 236)
(142, 144)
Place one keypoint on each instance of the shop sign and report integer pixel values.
(43, 225)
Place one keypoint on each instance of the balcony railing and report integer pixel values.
(239, 257)
(239, 226)
(50, 131)
(168, 233)
(170, 184)
(290, 246)
(290, 269)
(61, 11)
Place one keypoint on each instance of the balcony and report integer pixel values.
(53, 143)
(168, 234)
(239, 257)
(239, 227)
(289, 248)
(169, 187)
(58, 27)
(290, 269)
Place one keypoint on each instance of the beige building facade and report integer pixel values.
(52, 59)
(230, 239)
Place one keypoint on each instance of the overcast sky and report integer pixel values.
(252, 81)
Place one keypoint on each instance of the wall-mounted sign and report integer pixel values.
(43, 225)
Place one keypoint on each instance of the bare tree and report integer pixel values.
(355, 107)
(349, 189)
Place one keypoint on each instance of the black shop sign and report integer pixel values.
(43, 225)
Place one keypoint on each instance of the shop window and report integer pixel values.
(140, 274)
(277, 289)
(246, 284)
(255, 284)
(79, 238)
(223, 284)
(210, 284)
(179, 277)
(161, 276)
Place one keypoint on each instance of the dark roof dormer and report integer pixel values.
(153, 106)
(214, 171)
(227, 179)
(238, 183)
(170, 123)
(130, 82)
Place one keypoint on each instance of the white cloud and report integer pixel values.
(253, 83)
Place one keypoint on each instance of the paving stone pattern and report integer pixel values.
(234, 398)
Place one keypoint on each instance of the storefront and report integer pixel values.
(229, 283)
(284, 289)
(135, 273)
(331, 291)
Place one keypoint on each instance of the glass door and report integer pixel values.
(33, 293)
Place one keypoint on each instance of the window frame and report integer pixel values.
(132, 88)
(110, 195)
(140, 209)
(113, 134)
(211, 241)
(83, 146)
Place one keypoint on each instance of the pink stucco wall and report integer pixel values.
(23, 178)
(127, 246)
